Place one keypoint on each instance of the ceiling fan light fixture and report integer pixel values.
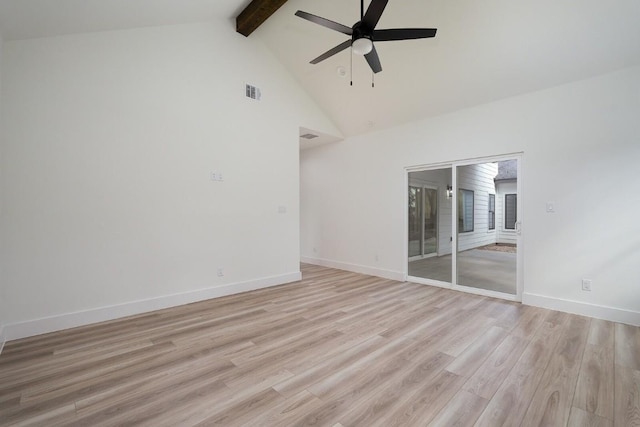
(362, 46)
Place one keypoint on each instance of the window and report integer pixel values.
(510, 211)
(492, 211)
(465, 211)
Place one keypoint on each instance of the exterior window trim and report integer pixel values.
(491, 219)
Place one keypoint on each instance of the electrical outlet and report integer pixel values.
(220, 272)
(586, 285)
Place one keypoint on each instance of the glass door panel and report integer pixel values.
(430, 225)
(415, 219)
(486, 216)
(430, 233)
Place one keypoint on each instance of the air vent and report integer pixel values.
(308, 136)
(252, 92)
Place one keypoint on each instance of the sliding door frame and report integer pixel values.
(453, 166)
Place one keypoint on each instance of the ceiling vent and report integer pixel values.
(308, 136)
(252, 92)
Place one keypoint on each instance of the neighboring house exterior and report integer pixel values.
(485, 191)
(475, 182)
(506, 184)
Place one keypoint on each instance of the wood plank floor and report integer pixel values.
(336, 349)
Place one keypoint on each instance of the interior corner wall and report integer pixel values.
(110, 140)
(580, 150)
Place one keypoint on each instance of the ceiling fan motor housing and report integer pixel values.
(360, 31)
(361, 40)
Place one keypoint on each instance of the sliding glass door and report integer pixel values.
(486, 248)
(415, 221)
(423, 221)
(464, 229)
(429, 222)
(429, 231)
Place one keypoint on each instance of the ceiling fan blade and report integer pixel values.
(331, 52)
(374, 12)
(374, 60)
(403, 34)
(325, 22)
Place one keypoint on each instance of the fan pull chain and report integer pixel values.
(373, 79)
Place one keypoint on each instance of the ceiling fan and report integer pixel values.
(364, 34)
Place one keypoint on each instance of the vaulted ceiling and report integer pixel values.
(24, 19)
(483, 51)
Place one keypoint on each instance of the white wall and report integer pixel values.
(109, 142)
(3, 309)
(581, 150)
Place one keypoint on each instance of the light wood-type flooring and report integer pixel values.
(336, 349)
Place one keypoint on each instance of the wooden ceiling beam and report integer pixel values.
(255, 14)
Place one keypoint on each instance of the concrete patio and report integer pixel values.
(491, 270)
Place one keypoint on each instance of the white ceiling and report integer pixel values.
(483, 51)
(24, 19)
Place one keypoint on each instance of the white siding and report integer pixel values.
(479, 179)
(504, 235)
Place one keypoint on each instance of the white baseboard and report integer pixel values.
(355, 268)
(598, 311)
(71, 320)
